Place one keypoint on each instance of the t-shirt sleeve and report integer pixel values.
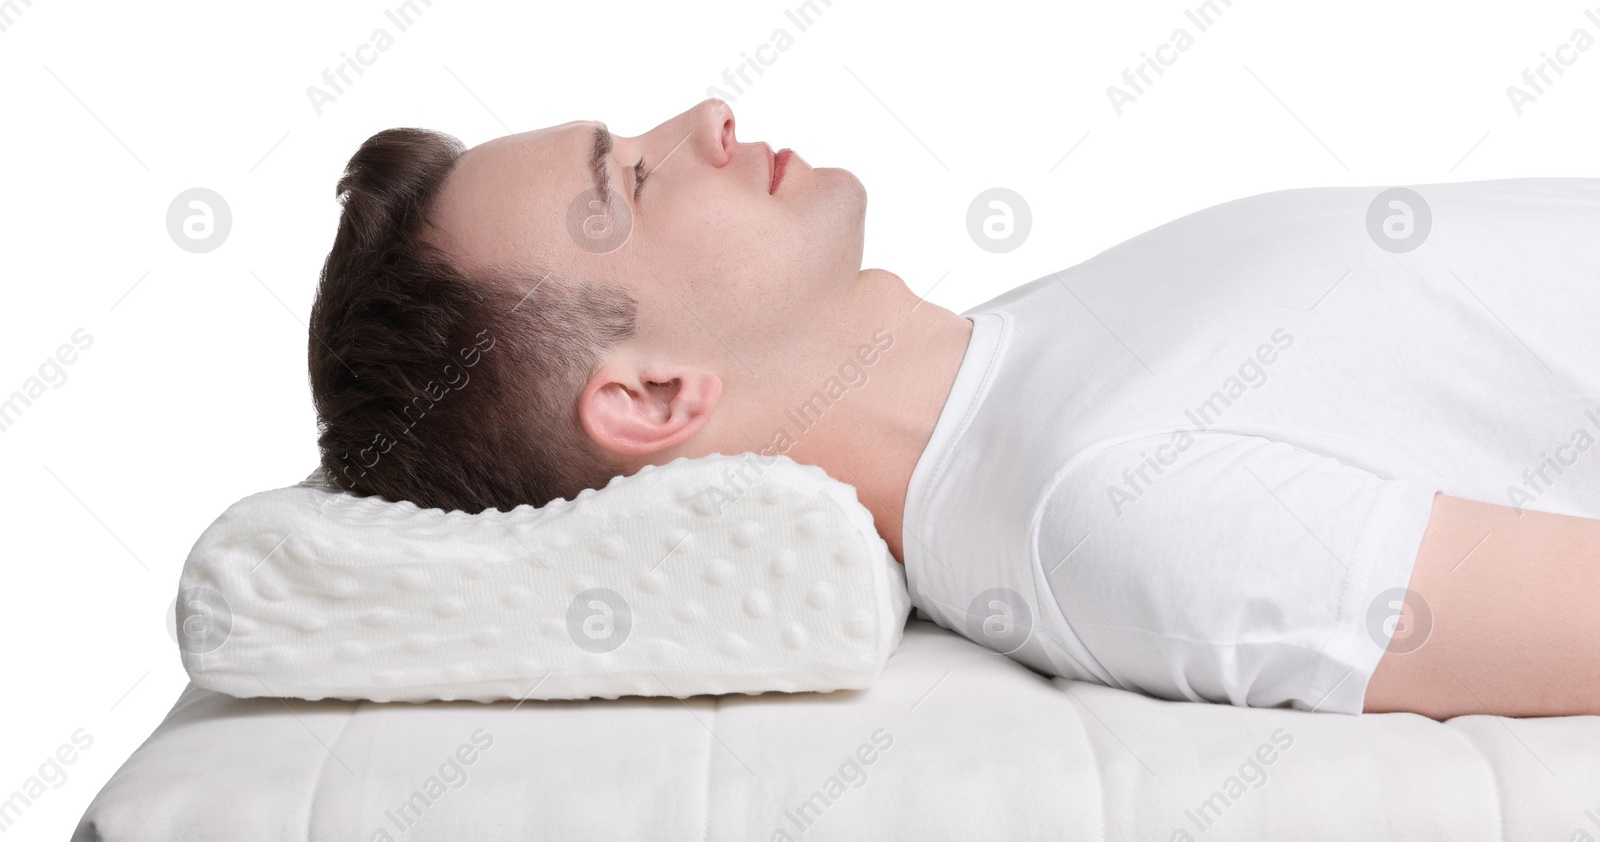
(1231, 568)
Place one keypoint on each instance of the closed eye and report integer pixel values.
(639, 175)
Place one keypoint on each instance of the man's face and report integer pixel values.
(726, 270)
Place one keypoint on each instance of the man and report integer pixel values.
(1216, 462)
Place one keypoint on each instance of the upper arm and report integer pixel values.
(1246, 571)
(1501, 617)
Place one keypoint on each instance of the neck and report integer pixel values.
(871, 436)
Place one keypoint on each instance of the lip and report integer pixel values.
(780, 166)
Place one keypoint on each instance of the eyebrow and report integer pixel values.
(597, 162)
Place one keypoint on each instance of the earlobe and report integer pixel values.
(632, 413)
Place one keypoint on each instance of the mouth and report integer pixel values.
(779, 164)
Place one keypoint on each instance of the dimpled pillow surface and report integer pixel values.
(717, 574)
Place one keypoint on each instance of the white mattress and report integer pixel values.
(964, 745)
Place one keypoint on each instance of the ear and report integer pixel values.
(634, 410)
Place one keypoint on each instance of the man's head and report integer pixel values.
(489, 332)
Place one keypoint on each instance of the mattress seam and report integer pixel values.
(705, 789)
(1098, 764)
(316, 783)
(1494, 775)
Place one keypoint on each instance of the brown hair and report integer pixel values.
(449, 391)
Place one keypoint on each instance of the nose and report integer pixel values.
(710, 129)
(719, 129)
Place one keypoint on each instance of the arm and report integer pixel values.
(1514, 599)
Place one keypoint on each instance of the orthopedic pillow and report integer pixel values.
(719, 574)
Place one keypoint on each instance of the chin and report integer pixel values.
(835, 213)
(847, 197)
(844, 181)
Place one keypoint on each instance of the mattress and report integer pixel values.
(952, 742)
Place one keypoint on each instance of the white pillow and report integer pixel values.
(720, 574)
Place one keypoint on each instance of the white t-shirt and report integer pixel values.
(1204, 459)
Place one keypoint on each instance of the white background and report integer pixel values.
(194, 394)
